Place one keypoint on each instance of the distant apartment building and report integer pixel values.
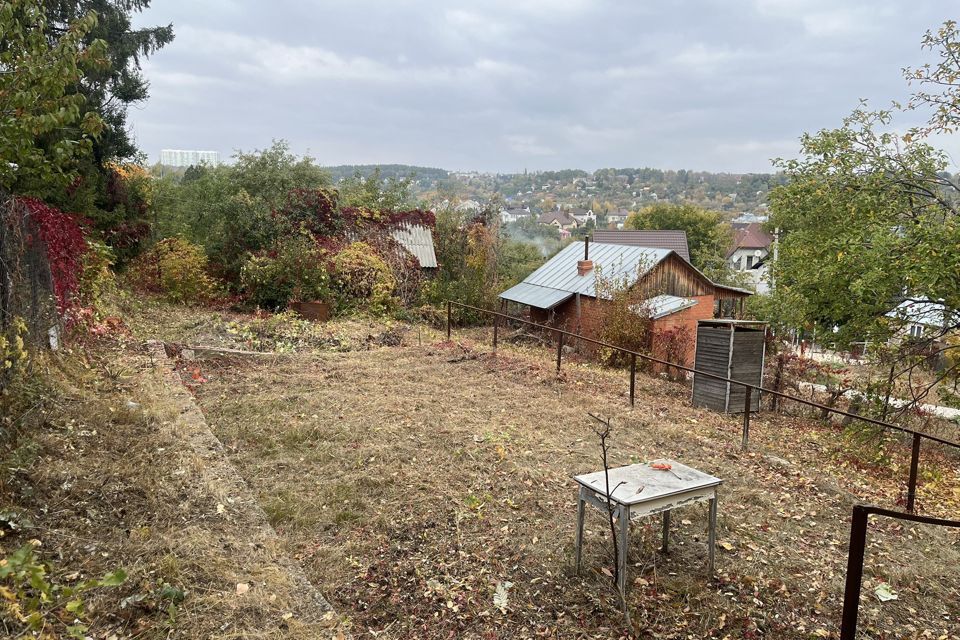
(187, 158)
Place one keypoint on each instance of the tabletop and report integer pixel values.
(641, 482)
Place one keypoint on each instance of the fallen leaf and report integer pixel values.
(501, 595)
(884, 593)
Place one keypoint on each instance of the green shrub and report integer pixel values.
(295, 270)
(363, 279)
(14, 356)
(176, 269)
(97, 279)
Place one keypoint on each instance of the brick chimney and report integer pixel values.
(585, 266)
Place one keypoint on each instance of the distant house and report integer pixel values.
(469, 206)
(563, 292)
(617, 217)
(558, 218)
(748, 218)
(582, 216)
(418, 240)
(675, 240)
(750, 245)
(514, 214)
(923, 318)
(748, 253)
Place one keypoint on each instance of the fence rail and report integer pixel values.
(917, 436)
(858, 546)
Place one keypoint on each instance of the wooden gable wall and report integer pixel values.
(674, 276)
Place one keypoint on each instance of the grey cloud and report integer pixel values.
(513, 84)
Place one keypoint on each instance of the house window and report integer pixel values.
(749, 262)
(916, 331)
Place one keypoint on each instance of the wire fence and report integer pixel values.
(861, 513)
(562, 335)
(26, 283)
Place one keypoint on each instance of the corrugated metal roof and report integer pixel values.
(418, 240)
(617, 263)
(654, 238)
(536, 296)
(663, 305)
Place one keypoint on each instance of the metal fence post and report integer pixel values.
(851, 592)
(912, 483)
(448, 321)
(496, 325)
(746, 418)
(633, 376)
(559, 349)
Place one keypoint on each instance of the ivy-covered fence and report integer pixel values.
(42, 252)
(27, 292)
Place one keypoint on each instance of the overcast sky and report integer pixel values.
(506, 85)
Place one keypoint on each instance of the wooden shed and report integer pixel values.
(733, 349)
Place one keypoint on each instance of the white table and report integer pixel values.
(640, 490)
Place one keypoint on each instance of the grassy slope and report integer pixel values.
(411, 481)
(104, 479)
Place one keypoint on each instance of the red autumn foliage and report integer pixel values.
(672, 344)
(312, 209)
(316, 210)
(65, 244)
(412, 217)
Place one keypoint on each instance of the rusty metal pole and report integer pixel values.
(559, 349)
(496, 324)
(851, 592)
(746, 418)
(633, 376)
(448, 321)
(912, 483)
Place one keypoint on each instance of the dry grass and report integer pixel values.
(410, 481)
(114, 483)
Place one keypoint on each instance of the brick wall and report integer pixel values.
(590, 317)
(687, 318)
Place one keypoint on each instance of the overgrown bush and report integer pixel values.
(176, 269)
(363, 279)
(295, 270)
(673, 345)
(625, 320)
(96, 277)
(467, 252)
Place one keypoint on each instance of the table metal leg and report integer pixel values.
(624, 535)
(581, 504)
(712, 537)
(666, 532)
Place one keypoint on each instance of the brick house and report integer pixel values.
(673, 293)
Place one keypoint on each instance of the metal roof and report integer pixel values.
(655, 238)
(536, 296)
(418, 240)
(616, 262)
(663, 305)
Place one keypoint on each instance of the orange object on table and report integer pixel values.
(661, 466)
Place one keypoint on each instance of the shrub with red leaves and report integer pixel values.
(412, 217)
(65, 244)
(312, 209)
